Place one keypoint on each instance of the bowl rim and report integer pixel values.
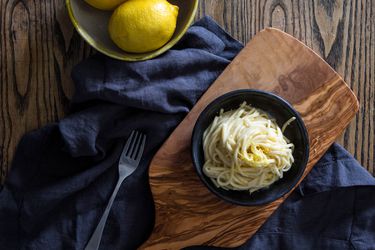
(302, 129)
(99, 47)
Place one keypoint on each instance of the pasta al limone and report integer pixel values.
(245, 149)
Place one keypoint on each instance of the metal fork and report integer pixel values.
(129, 161)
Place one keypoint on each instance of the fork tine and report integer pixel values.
(137, 145)
(127, 145)
(142, 147)
(133, 144)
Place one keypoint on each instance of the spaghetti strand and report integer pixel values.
(245, 149)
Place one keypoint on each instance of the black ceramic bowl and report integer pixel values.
(279, 109)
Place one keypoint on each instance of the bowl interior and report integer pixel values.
(92, 24)
(281, 111)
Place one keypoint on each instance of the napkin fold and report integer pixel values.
(63, 174)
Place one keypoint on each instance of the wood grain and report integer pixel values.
(186, 212)
(38, 48)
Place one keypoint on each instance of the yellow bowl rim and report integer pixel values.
(105, 51)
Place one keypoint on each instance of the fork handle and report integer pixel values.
(96, 237)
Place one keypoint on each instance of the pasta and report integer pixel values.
(244, 149)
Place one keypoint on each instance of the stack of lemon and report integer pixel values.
(139, 26)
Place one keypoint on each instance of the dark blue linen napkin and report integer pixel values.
(63, 174)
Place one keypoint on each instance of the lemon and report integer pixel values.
(143, 25)
(105, 4)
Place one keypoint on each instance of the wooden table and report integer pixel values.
(39, 47)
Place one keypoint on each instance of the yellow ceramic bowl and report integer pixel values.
(92, 25)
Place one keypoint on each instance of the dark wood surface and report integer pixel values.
(38, 48)
(187, 213)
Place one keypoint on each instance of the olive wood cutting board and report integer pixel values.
(186, 212)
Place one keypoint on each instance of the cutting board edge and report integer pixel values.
(322, 59)
(352, 96)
